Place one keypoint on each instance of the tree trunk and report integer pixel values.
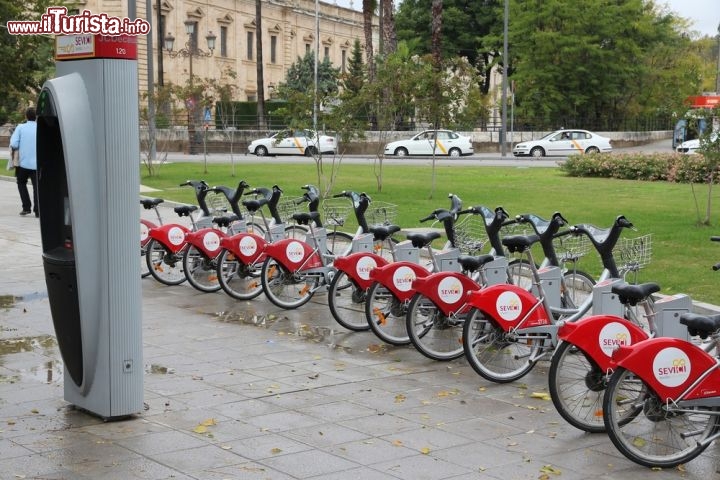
(436, 32)
(388, 34)
(368, 10)
(262, 124)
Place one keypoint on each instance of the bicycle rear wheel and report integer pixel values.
(496, 355)
(284, 288)
(431, 332)
(144, 270)
(237, 279)
(385, 314)
(200, 271)
(339, 243)
(659, 434)
(520, 273)
(347, 303)
(577, 386)
(165, 267)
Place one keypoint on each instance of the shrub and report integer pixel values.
(672, 167)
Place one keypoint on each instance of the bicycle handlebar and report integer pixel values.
(546, 231)
(604, 240)
(201, 190)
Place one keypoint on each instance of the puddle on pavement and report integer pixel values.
(284, 326)
(9, 301)
(50, 371)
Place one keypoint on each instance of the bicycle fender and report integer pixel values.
(510, 306)
(598, 336)
(172, 236)
(358, 266)
(145, 226)
(207, 241)
(447, 290)
(247, 247)
(293, 254)
(669, 366)
(398, 277)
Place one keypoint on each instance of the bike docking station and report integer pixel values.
(88, 152)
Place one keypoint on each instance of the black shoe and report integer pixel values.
(25, 212)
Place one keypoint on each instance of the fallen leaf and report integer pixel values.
(209, 422)
(425, 450)
(275, 450)
(374, 348)
(550, 469)
(540, 395)
(34, 410)
(399, 398)
(200, 429)
(639, 442)
(397, 443)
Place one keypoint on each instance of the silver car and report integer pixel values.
(563, 143)
(446, 142)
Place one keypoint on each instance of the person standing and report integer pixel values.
(23, 139)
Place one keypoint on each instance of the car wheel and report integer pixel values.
(401, 152)
(454, 152)
(592, 150)
(537, 152)
(261, 151)
(310, 151)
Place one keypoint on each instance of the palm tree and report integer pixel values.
(368, 11)
(259, 66)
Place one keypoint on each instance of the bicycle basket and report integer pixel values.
(217, 204)
(570, 248)
(381, 213)
(336, 211)
(286, 208)
(632, 254)
(470, 234)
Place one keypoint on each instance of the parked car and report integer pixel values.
(562, 143)
(447, 143)
(292, 142)
(691, 147)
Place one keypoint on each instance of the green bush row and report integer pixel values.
(671, 167)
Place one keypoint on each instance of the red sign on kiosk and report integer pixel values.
(75, 47)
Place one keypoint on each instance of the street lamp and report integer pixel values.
(189, 51)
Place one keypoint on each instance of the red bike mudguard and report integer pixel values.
(398, 278)
(293, 254)
(510, 306)
(207, 241)
(447, 290)
(172, 236)
(669, 366)
(358, 266)
(145, 227)
(599, 335)
(248, 248)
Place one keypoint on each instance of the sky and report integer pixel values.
(705, 14)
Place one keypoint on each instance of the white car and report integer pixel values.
(563, 143)
(293, 142)
(447, 143)
(690, 147)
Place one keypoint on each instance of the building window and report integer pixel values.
(223, 41)
(327, 53)
(307, 48)
(343, 60)
(252, 97)
(250, 42)
(273, 48)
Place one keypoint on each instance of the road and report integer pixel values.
(478, 159)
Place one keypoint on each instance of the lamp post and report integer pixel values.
(189, 51)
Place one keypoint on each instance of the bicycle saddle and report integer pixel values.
(383, 232)
(149, 203)
(519, 243)
(420, 240)
(700, 325)
(185, 210)
(632, 294)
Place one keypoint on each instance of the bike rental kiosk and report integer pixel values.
(88, 188)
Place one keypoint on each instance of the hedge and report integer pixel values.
(670, 167)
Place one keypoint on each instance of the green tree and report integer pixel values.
(355, 76)
(26, 61)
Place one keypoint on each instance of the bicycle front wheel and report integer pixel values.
(165, 267)
(200, 271)
(284, 288)
(520, 273)
(431, 332)
(495, 354)
(385, 314)
(578, 287)
(237, 279)
(347, 303)
(339, 243)
(659, 434)
(577, 386)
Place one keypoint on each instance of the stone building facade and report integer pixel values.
(288, 31)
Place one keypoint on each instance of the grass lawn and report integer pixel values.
(682, 254)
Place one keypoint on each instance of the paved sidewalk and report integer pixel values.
(243, 390)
